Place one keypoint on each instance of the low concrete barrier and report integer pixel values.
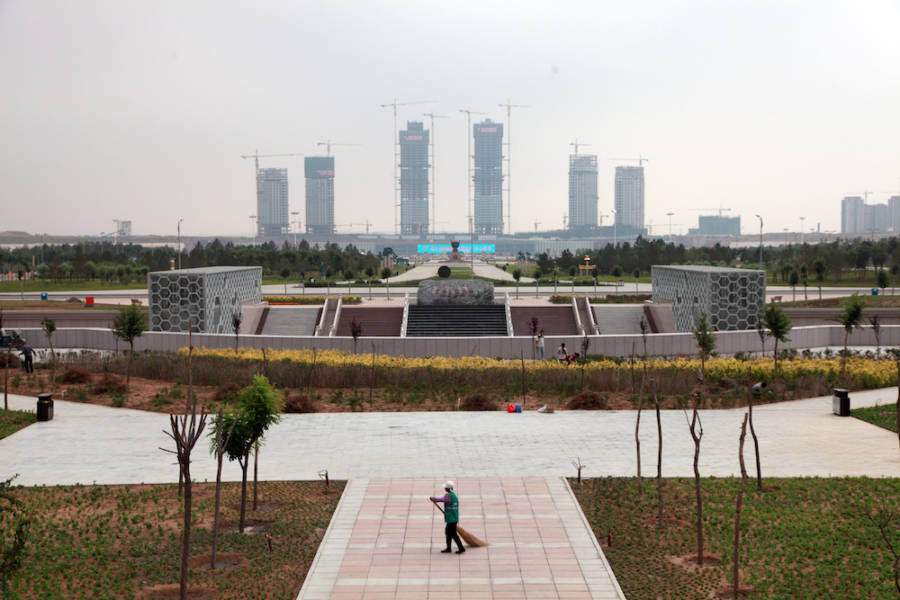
(660, 344)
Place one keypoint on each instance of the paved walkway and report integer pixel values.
(86, 443)
(385, 540)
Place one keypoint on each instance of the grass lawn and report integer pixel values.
(884, 416)
(871, 301)
(15, 420)
(40, 285)
(105, 542)
(802, 539)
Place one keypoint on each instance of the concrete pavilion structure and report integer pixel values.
(204, 299)
(731, 298)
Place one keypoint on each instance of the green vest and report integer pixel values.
(451, 509)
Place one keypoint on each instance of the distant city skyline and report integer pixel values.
(142, 111)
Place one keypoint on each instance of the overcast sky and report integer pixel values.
(142, 110)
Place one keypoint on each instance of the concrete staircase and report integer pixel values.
(554, 320)
(291, 320)
(450, 320)
(618, 318)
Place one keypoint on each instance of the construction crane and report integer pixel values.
(509, 106)
(396, 145)
(720, 209)
(432, 116)
(576, 143)
(469, 112)
(328, 144)
(640, 160)
(256, 156)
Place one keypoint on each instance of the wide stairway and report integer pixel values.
(618, 318)
(447, 320)
(291, 320)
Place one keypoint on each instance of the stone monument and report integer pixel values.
(455, 291)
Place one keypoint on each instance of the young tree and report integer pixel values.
(875, 322)
(696, 428)
(129, 324)
(258, 408)
(236, 320)
(186, 430)
(761, 332)
(820, 268)
(285, 273)
(883, 517)
(585, 345)
(736, 575)
(706, 343)
(659, 479)
(355, 331)
(517, 275)
(637, 424)
(795, 279)
(49, 327)
(850, 318)
(637, 275)
(883, 280)
(778, 325)
(218, 443)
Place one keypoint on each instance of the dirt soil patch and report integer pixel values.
(125, 541)
(802, 538)
(172, 591)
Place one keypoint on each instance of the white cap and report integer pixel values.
(448, 485)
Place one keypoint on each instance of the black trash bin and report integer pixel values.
(841, 402)
(45, 407)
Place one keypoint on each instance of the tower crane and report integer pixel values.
(720, 209)
(328, 144)
(509, 106)
(396, 145)
(576, 143)
(640, 160)
(256, 156)
(432, 116)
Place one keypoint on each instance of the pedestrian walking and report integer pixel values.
(28, 356)
(451, 518)
(539, 343)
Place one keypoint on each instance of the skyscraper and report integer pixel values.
(272, 202)
(488, 177)
(877, 217)
(853, 215)
(414, 179)
(582, 191)
(319, 172)
(894, 207)
(630, 196)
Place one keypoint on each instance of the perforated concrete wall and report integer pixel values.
(205, 299)
(730, 298)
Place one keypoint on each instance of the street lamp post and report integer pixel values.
(615, 232)
(179, 242)
(802, 233)
(296, 226)
(760, 241)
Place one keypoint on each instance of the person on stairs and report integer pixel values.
(451, 518)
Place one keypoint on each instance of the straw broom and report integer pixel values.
(472, 541)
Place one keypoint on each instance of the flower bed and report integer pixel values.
(277, 300)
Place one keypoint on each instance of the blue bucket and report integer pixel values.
(518, 408)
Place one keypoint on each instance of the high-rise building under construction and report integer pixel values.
(414, 179)
(272, 202)
(629, 198)
(488, 177)
(319, 172)
(582, 191)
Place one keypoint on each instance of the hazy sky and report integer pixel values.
(142, 110)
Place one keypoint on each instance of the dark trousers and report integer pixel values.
(451, 535)
(29, 365)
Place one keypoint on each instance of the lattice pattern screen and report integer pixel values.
(731, 298)
(205, 298)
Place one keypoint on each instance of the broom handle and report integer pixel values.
(437, 507)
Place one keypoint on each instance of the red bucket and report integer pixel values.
(88, 300)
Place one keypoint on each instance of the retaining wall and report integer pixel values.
(661, 344)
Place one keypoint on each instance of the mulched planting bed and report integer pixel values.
(807, 539)
(14, 420)
(119, 542)
(884, 416)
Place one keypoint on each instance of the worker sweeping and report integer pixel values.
(451, 517)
